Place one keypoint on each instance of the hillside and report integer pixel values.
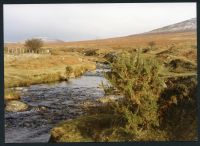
(188, 25)
(175, 33)
(183, 41)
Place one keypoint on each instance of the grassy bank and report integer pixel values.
(28, 69)
(83, 129)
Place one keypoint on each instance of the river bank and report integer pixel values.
(29, 69)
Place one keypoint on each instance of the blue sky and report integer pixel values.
(74, 22)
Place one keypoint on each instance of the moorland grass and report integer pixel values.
(34, 69)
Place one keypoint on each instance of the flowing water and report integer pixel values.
(51, 104)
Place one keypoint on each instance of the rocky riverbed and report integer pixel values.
(50, 104)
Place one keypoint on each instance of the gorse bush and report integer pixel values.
(137, 78)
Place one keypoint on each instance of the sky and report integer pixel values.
(75, 22)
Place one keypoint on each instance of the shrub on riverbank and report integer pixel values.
(151, 111)
(137, 78)
(153, 108)
(131, 118)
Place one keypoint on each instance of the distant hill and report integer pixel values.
(188, 25)
(48, 40)
(179, 32)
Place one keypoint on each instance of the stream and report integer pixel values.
(59, 101)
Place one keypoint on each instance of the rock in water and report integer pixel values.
(19, 88)
(15, 106)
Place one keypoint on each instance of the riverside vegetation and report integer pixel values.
(154, 107)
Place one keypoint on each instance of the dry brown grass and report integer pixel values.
(141, 40)
(184, 42)
(23, 70)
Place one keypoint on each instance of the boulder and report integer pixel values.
(19, 88)
(15, 106)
